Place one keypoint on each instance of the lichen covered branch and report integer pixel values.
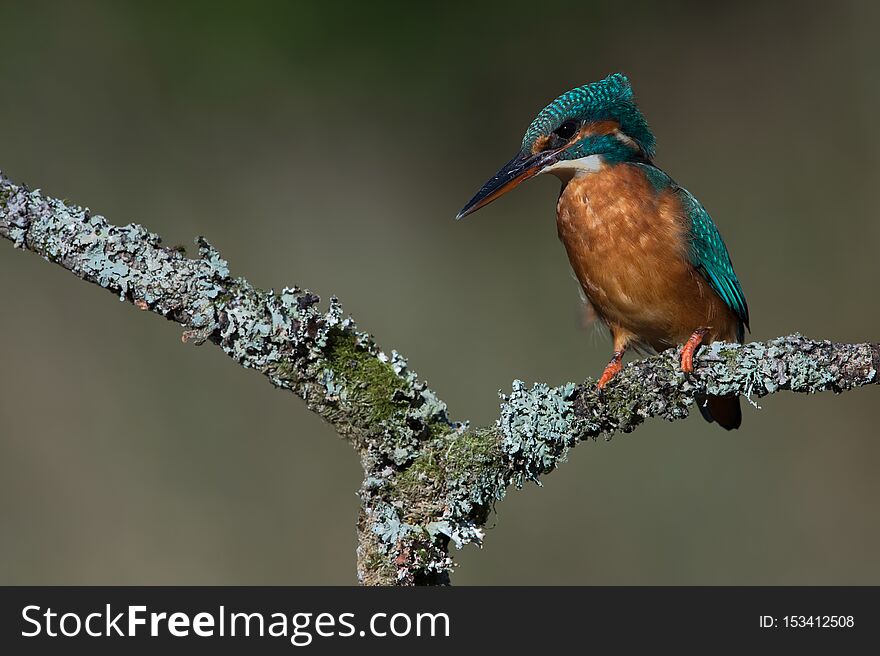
(370, 397)
(428, 481)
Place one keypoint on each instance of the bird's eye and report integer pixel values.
(566, 130)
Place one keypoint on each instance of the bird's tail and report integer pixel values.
(723, 409)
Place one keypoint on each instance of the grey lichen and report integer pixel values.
(428, 481)
(538, 428)
(372, 399)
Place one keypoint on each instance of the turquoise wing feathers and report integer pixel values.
(710, 257)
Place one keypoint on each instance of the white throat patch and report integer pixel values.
(574, 168)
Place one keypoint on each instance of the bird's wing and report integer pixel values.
(709, 256)
(707, 251)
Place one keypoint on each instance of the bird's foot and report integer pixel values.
(614, 367)
(690, 348)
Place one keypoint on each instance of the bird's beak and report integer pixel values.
(523, 166)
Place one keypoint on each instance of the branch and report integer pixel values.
(428, 480)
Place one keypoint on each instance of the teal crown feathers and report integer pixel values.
(608, 99)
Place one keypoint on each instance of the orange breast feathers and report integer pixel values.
(628, 246)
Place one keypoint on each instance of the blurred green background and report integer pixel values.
(329, 145)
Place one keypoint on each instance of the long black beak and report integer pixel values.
(523, 166)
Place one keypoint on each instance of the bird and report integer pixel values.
(647, 255)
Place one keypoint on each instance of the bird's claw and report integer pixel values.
(611, 370)
(690, 348)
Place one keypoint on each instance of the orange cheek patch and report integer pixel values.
(598, 129)
(540, 144)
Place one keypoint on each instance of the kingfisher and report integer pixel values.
(647, 255)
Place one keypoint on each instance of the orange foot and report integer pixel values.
(612, 369)
(690, 347)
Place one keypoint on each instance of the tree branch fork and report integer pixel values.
(428, 481)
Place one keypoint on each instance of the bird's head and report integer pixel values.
(578, 132)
